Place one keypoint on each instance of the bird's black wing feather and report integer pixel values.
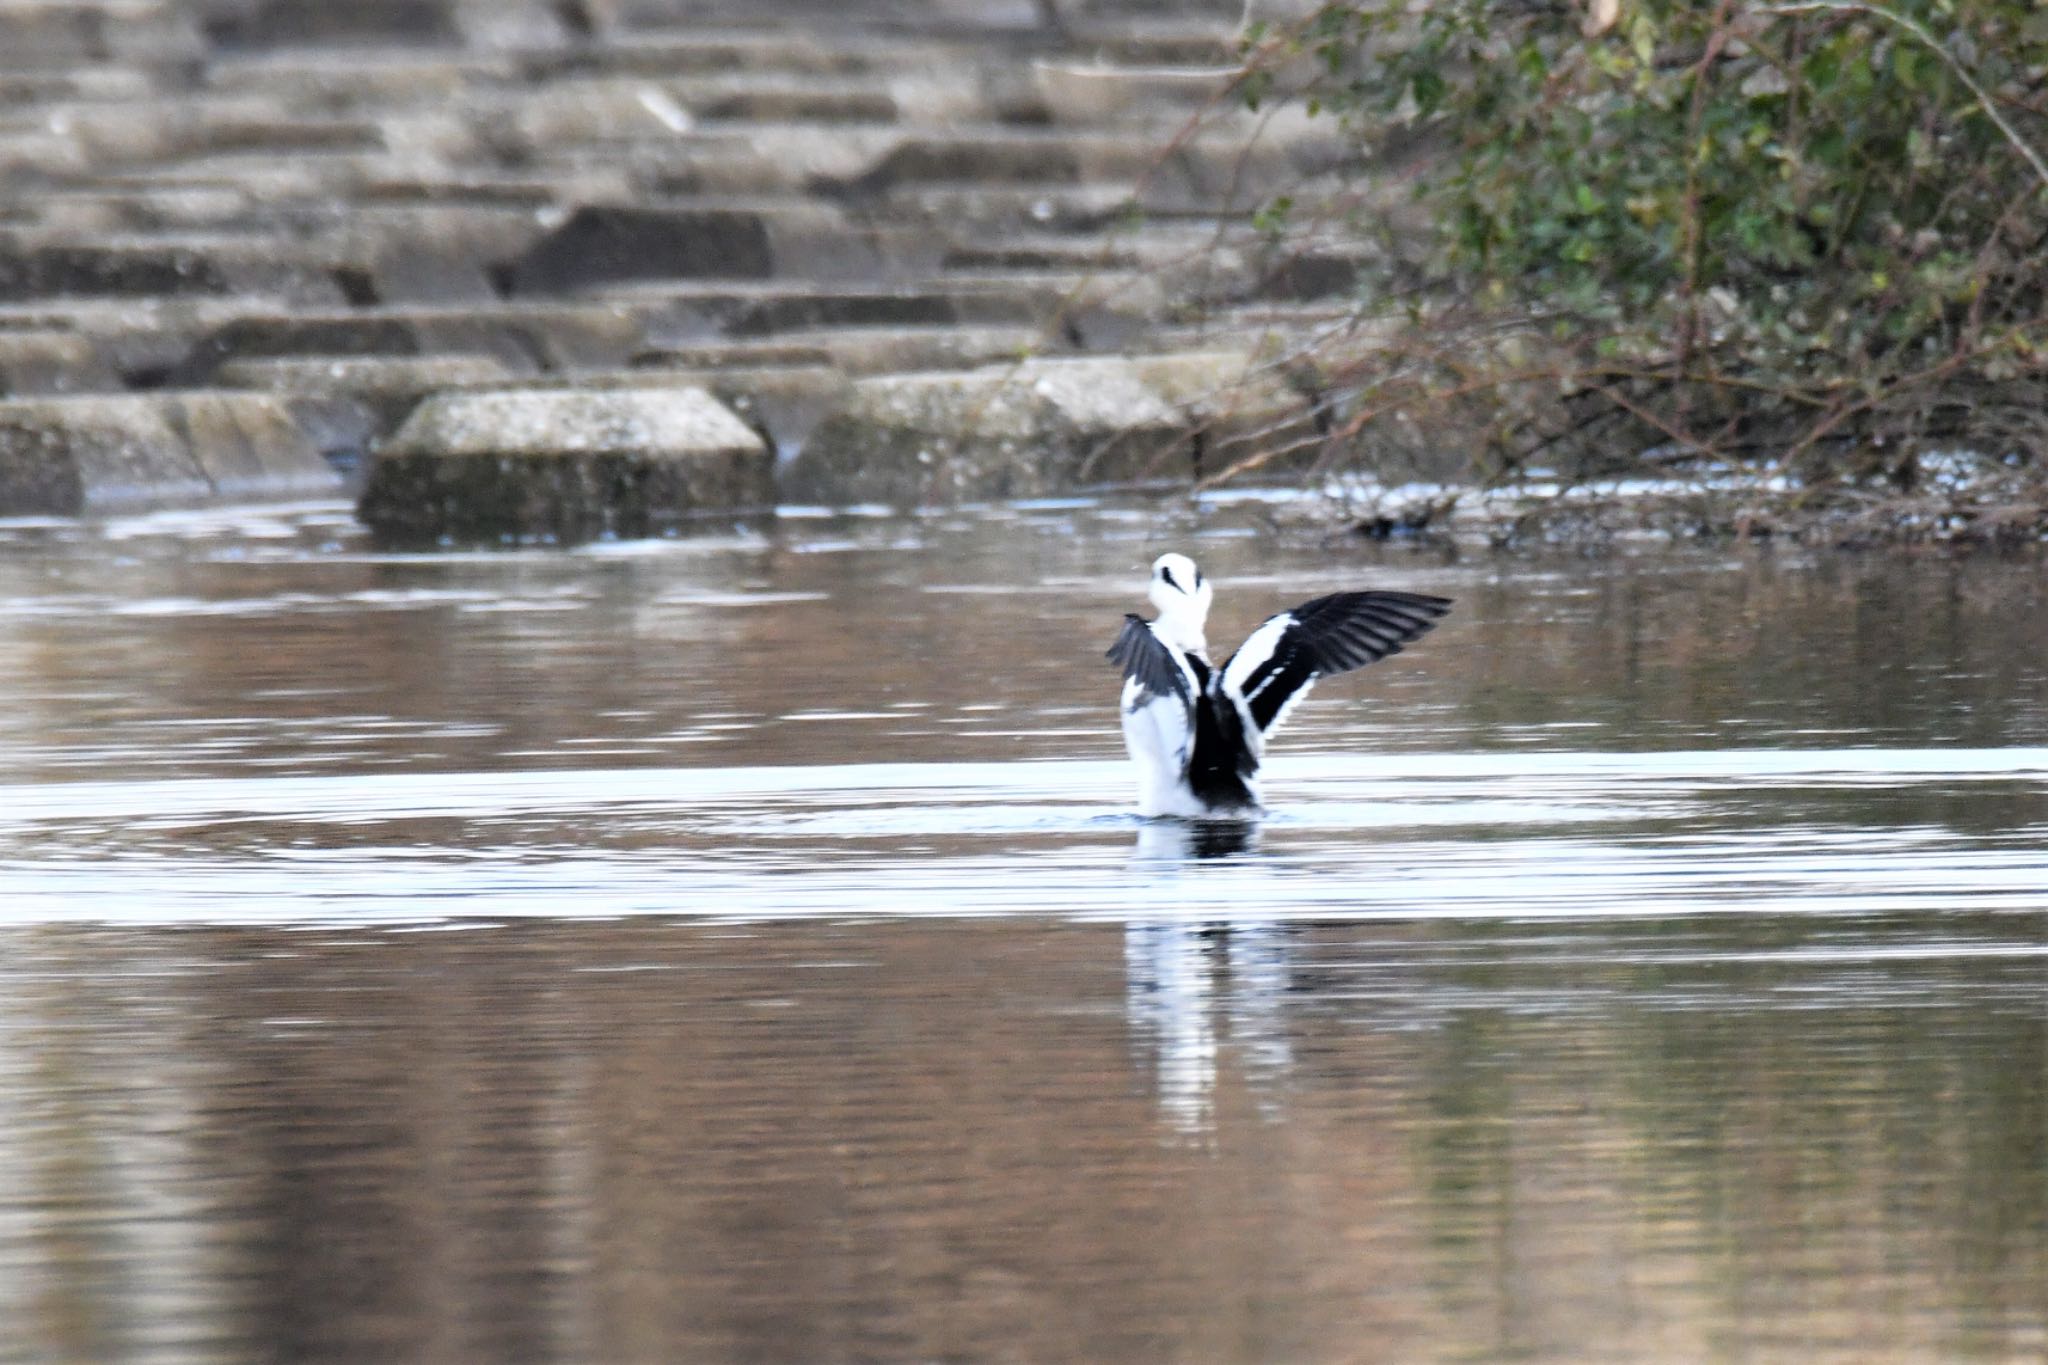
(1326, 635)
(1348, 630)
(1144, 656)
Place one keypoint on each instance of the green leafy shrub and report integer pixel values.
(1807, 239)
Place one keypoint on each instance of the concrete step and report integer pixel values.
(161, 266)
(104, 453)
(343, 211)
(51, 361)
(525, 338)
(782, 402)
(1044, 426)
(564, 466)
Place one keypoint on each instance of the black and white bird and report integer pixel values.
(1196, 732)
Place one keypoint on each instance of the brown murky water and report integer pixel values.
(740, 950)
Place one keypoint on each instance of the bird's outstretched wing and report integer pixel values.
(1145, 658)
(1281, 660)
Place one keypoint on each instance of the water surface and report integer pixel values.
(741, 949)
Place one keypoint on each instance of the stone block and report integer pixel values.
(1241, 407)
(564, 465)
(783, 402)
(48, 362)
(92, 454)
(248, 447)
(381, 80)
(387, 388)
(1045, 426)
(963, 159)
(1031, 429)
(140, 268)
(782, 394)
(900, 350)
(33, 155)
(602, 110)
(522, 337)
(1095, 92)
(413, 254)
(49, 35)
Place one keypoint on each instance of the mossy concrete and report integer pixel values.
(564, 466)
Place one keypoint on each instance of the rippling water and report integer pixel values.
(741, 948)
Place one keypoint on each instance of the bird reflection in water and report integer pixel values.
(1200, 988)
(1180, 841)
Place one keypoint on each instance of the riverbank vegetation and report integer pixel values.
(1791, 255)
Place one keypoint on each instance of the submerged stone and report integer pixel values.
(127, 452)
(537, 464)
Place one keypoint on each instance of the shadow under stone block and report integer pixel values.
(603, 245)
(302, 23)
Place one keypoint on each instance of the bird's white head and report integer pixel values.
(1182, 596)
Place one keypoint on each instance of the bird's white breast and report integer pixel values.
(1159, 738)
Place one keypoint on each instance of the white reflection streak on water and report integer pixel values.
(1477, 835)
(1199, 964)
(1169, 984)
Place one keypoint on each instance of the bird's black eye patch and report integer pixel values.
(1167, 574)
(1198, 580)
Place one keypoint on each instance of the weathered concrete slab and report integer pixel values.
(395, 254)
(564, 466)
(1025, 430)
(901, 350)
(397, 380)
(347, 78)
(50, 362)
(344, 206)
(247, 447)
(529, 121)
(782, 401)
(90, 454)
(1241, 406)
(1041, 427)
(50, 35)
(764, 158)
(346, 404)
(142, 268)
(76, 213)
(524, 337)
(1087, 92)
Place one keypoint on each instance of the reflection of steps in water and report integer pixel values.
(1199, 991)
